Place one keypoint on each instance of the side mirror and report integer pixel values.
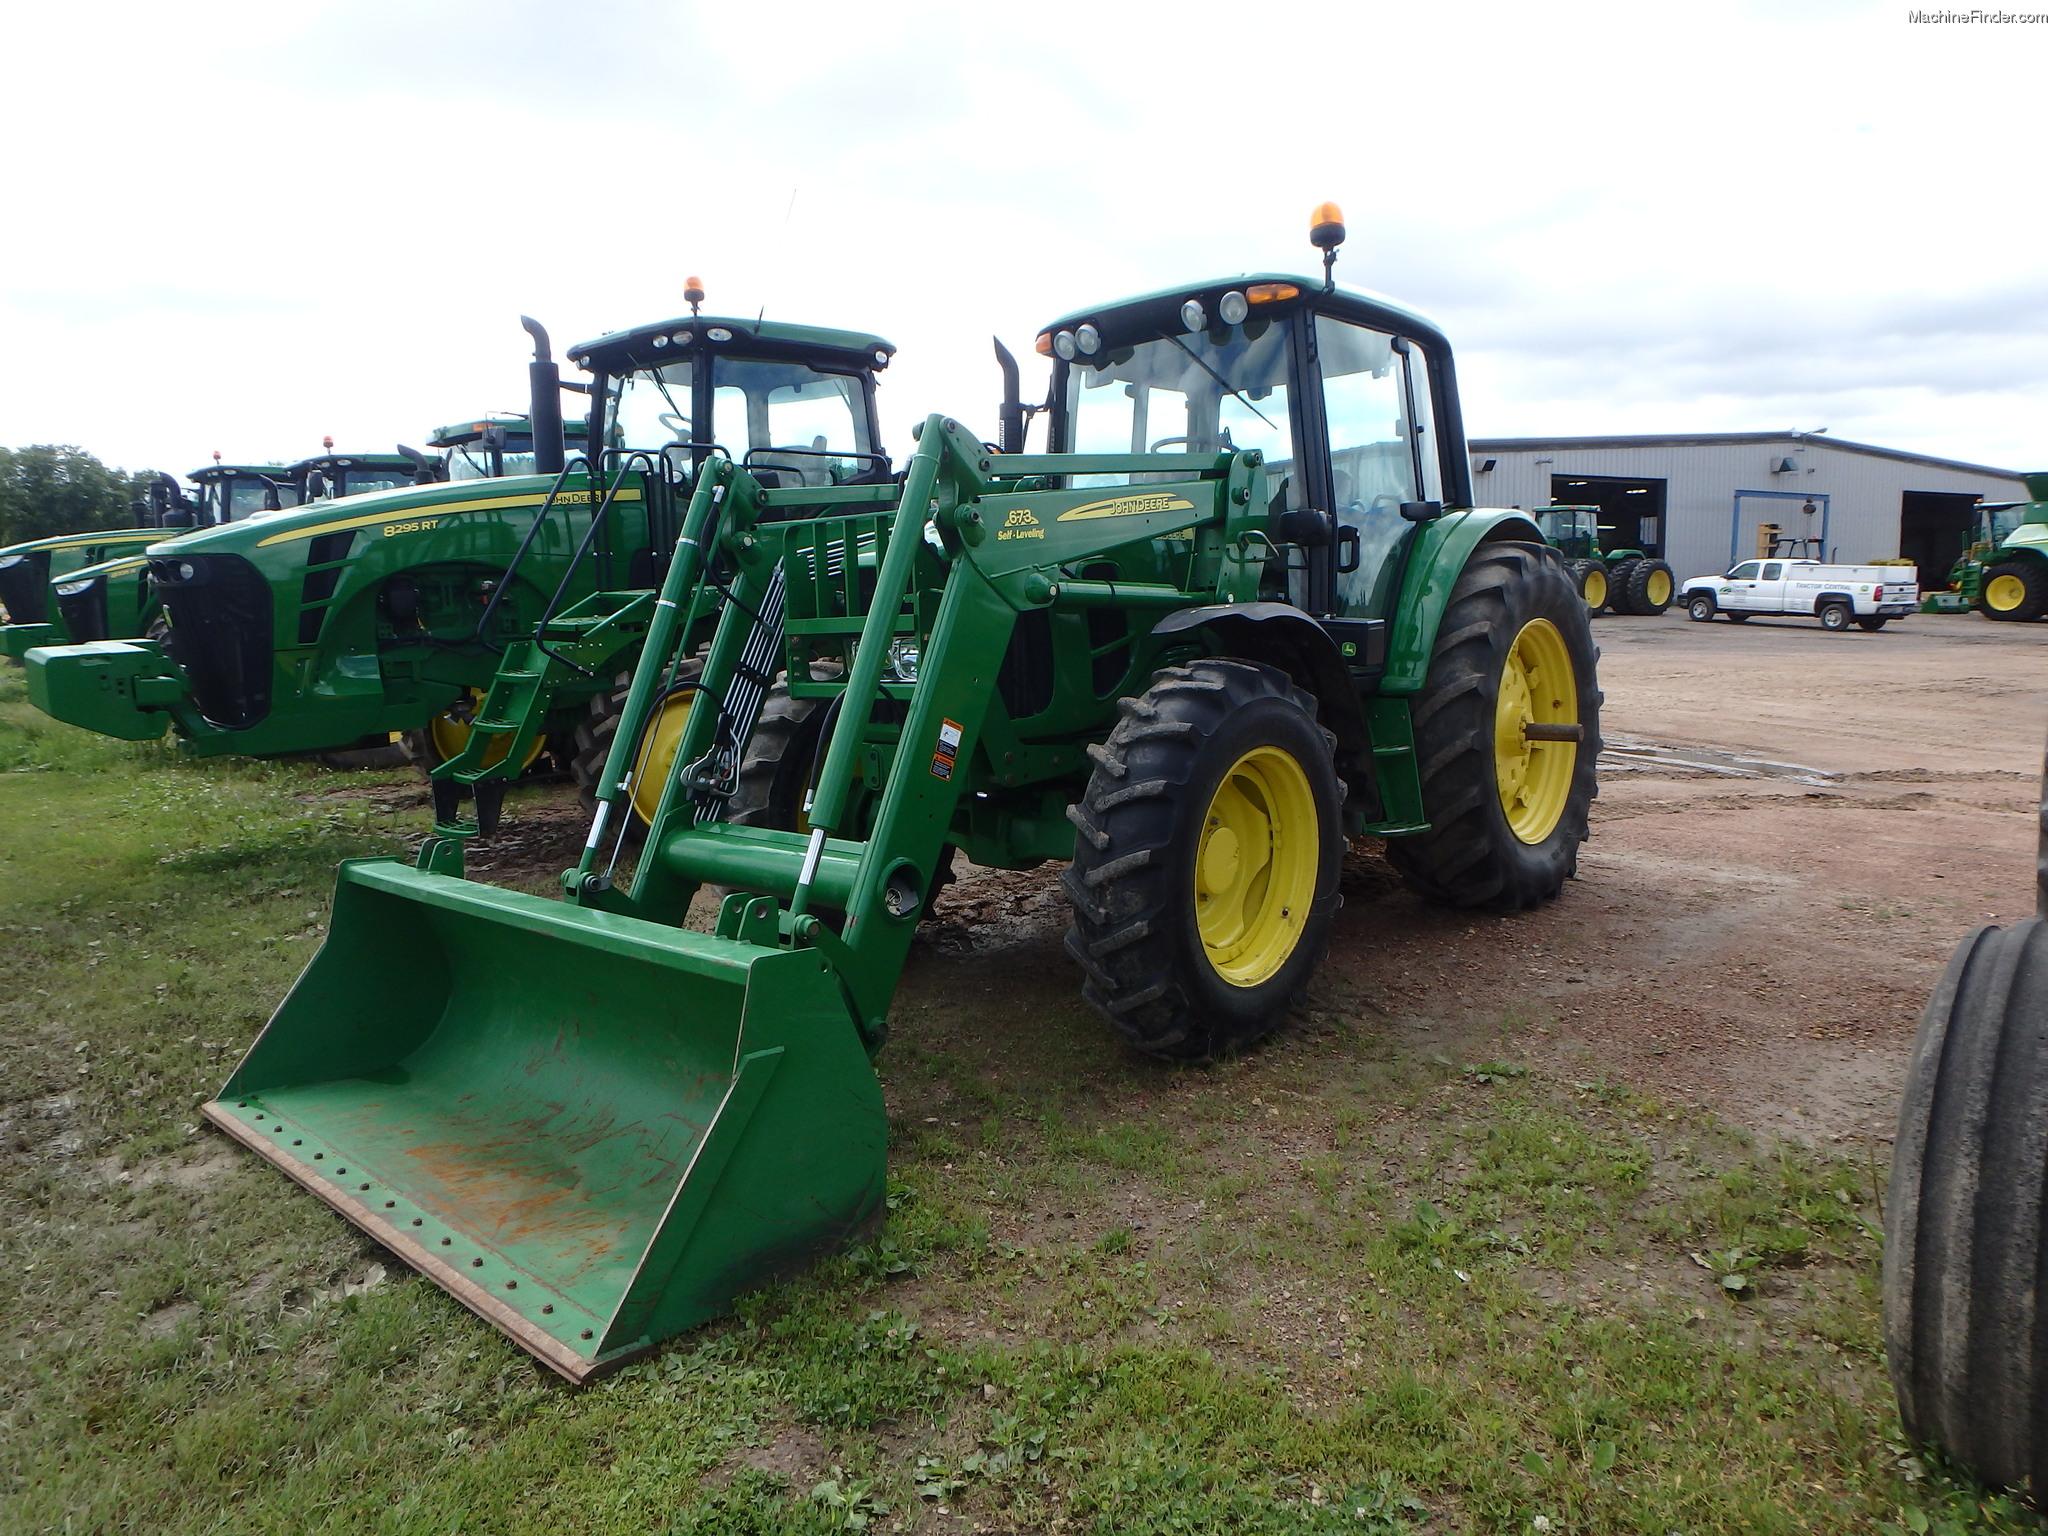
(1304, 526)
(1422, 511)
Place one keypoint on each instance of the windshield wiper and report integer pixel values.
(1199, 363)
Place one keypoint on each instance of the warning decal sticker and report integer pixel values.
(948, 752)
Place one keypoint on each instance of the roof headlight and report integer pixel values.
(881, 359)
(1063, 346)
(719, 333)
(661, 341)
(1193, 316)
(1089, 340)
(1232, 308)
(683, 338)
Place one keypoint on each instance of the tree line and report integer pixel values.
(48, 489)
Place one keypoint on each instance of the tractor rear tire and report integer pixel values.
(1513, 619)
(2015, 591)
(1208, 845)
(1619, 586)
(1650, 588)
(1964, 1251)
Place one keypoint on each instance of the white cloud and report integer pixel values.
(246, 225)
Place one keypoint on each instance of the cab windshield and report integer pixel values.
(246, 495)
(1209, 392)
(809, 426)
(1559, 526)
(356, 481)
(2000, 522)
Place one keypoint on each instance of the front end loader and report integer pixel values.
(1243, 608)
(340, 623)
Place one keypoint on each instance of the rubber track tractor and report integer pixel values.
(1243, 608)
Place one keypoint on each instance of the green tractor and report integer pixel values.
(488, 448)
(2004, 572)
(337, 625)
(1244, 608)
(1610, 580)
(95, 586)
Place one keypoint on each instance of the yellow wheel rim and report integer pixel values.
(1596, 590)
(1536, 688)
(2004, 593)
(1658, 588)
(450, 734)
(658, 753)
(1255, 871)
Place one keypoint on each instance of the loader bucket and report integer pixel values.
(590, 1129)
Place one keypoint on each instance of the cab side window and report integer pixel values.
(1744, 572)
(1773, 571)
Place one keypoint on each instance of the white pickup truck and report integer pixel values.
(1837, 595)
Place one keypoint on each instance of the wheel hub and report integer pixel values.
(1255, 871)
(1537, 687)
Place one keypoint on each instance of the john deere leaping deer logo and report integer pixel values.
(1128, 506)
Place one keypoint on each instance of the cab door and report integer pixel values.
(1738, 587)
(1377, 410)
(1768, 595)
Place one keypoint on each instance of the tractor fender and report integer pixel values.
(1283, 636)
(1437, 556)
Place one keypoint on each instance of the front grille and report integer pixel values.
(25, 588)
(85, 613)
(221, 613)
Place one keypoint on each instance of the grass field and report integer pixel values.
(1338, 1286)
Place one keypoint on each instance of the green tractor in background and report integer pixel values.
(488, 448)
(1244, 608)
(1610, 580)
(337, 625)
(2004, 572)
(95, 586)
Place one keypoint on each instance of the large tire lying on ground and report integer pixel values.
(1507, 811)
(2016, 590)
(1964, 1257)
(1204, 878)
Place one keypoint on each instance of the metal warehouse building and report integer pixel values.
(1697, 500)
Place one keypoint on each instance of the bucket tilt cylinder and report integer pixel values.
(595, 1126)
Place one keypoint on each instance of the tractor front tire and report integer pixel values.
(2015, 591)
(1650, 587)
(1964, 1243)
(1590, 577)
(779, 763)
(1506, 813)
(1208, 845)
(600, 725)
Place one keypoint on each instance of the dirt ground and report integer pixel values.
(1794, 828)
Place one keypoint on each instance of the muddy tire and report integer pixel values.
(2015, 591)
(1506, 821)
(1964, 1256)
(781, 756)
(1650, 588)
(1205, 864)
(1619, 575)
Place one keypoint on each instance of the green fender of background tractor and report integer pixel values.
(1441, 548)
(119, 688)
(592, 1129)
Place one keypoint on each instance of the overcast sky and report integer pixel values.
(241, 225)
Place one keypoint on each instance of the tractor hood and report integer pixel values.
(395, 511)
(106, 536)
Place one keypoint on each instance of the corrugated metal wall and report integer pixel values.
(1863, 492)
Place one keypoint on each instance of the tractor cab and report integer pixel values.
(331, 476)
(492, 447)
(1350, 400)
(1573, 532)
(228, 493)
(793, 404)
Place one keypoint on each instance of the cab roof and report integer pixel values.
(1145, 316)
(470, 430)
(353, 461)
(223, 471)
(623, 351)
